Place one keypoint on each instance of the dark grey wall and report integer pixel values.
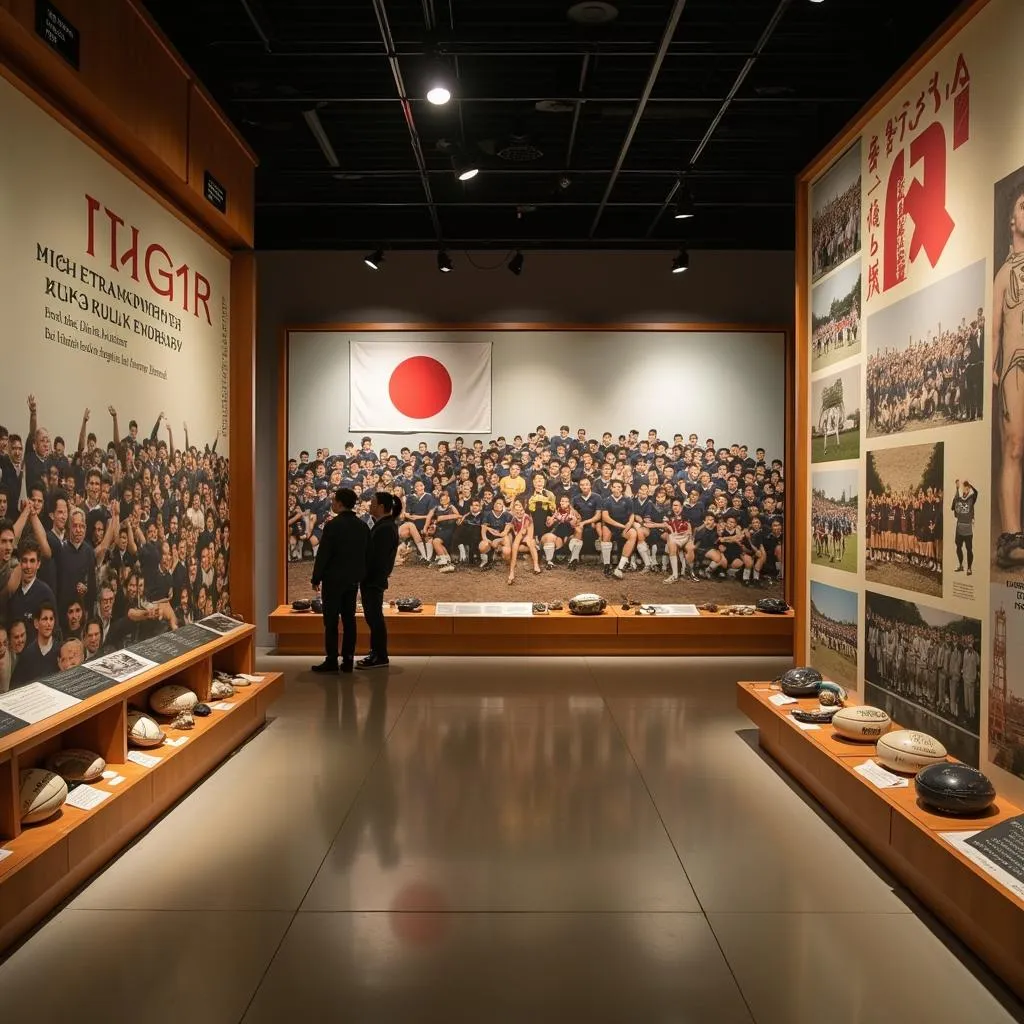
(298, 288)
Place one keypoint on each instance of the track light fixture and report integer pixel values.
(464, 169)
(681, 263)
(439, 81)
(515, 265)
(375, 259)
(684, 203)
(439, 94)
(444, 262)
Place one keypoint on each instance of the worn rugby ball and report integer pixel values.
(143, 731)
(905, 750)
(42, 795)
(826, 685)
(863, 723)
(172, 699)
(76, 765)
(801, 682)
(954, 788)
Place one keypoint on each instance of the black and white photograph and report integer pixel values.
(923, 667)
(835, 318)
(1006, 688)
(926, 357)
(1008, 378)
(835, 416)
(835, 511)
(834, 633)
(835, 213)
(220, 623)
(905, 510)
(121, 665)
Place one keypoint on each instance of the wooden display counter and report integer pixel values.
(903, 834)
(42, 864)
(612, 632)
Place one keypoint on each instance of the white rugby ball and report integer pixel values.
(143, 731)
(908, 751)
(42, 794)
(76, 765)
(172, 699)
(863, 723)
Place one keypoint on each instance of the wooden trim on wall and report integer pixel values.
(799, 471)
(242, 439)
(793, 592)
(928, 50)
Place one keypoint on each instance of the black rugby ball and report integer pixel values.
(202, 710)
(954, 788)
(801, 682)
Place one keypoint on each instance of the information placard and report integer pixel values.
(80, 682)
(9, 723)
(1003, 844)
(35, 702)
(165, 647)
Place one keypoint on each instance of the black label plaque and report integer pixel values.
(9, 724)
(80, 682)
(194, 636)
(1004, 845)
(215, 192)
(57, 31)
(163, 648)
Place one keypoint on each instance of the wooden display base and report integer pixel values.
(613, 632)
(899, 831)
(48, 861)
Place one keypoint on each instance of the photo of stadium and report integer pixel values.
(834, 633)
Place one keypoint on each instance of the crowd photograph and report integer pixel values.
(834, 508)
(834, 633)
(926, 357)
(905, 508)
(835, 318)
(555, 513)
(835, 416)
(835, 214)
(923, 666)
(109, 535)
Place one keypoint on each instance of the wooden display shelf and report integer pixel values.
(903, 834)
(49, 860)
(612, 632)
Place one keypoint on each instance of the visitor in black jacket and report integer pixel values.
(380, 560)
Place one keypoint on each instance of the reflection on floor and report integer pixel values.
(496, 840)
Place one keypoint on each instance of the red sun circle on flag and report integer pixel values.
(420, 387)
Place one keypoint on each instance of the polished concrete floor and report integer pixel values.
(494, 840)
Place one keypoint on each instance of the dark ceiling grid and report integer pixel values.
(747, 113)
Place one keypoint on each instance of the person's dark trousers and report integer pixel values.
(340, 607)
(373, 612)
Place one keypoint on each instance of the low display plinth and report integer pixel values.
(612, 632)
(904, 835)
(42, 864)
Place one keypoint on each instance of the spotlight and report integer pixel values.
(681, 263)
(464, 169)
(515, 265)
(684, 204)
(439, 94)
(444, 262)
(375, 259)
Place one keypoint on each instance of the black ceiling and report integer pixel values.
(742, 93)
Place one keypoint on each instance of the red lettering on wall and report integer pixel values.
(926, 199)
(892, 271)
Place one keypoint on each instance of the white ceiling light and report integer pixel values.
(313, 120)
(439, 94)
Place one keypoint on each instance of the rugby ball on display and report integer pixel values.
(954, 788)
(42, 795)
(143, 731)
(587, 604)
(907, 751)
(862, 723)
(76, 765)
(172, 699)
(801, 682)
(830, 687)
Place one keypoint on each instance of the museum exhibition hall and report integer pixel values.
(511, 511)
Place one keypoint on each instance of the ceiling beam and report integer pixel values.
(773, 22)
(258, 19)
(414, 136)
(638, 113)
(310, 99)
(509, 204)
(354, 173)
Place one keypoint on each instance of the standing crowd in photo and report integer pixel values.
(835, 335)
(940, 377)
(689, 509)
(935, 668)
(906, 527)
(105, 544)
(835, 231)
(831, 524)
(840, 637)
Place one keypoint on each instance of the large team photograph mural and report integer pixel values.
(525, 472)
(114, 462)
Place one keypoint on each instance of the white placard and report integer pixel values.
(108, 775)
(35, 702)
(958, 840)
(4, 854)
(85, 798)
(674, 609)
(145, 760)
(121, 665)
(176, 742)
(117, 780)
(880, 777)
(780, 700)
(494, 609)
(222, 706)
(249, 678)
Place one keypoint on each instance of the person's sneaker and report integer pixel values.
(372, 661)
(970, 572)
(447, 567)
(671, 579)
(573, 565)
(607, 570)
(325, 666)
(346, 665)
(618, 574)
(959, 568)
(549, 565)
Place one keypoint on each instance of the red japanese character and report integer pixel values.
(873, 154)
(961, 76)
(874, 214)
(873, 288)
(933, 89)
(902, 118)
(890, 134)
(874, 245)
(920, 112)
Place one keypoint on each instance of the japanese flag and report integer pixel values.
(415, 386)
